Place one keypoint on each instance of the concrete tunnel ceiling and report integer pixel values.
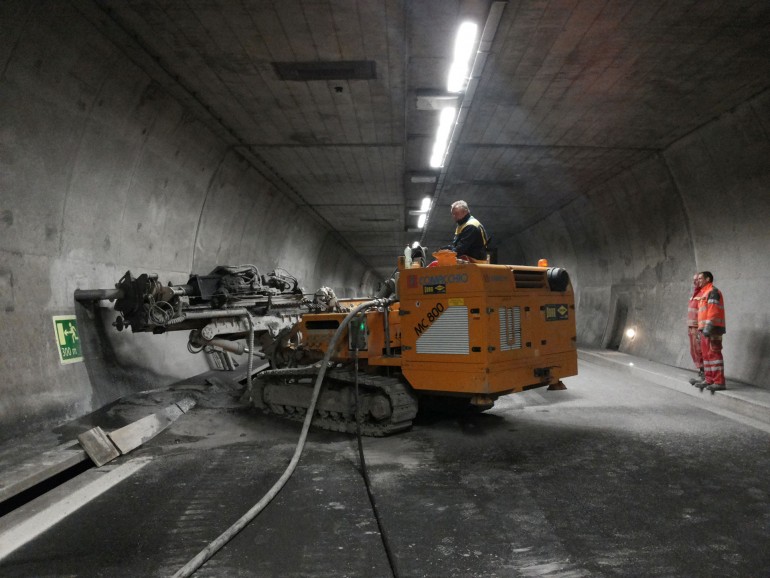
(322, 98)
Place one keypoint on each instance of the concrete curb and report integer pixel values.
(26, 523)
(95, 444)
(746, 400)
(40, 468)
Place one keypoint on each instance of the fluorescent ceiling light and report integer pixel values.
(436, 158)
(446, 121)
(459, 72)
(424, 208)
(421, 221)
(464, 43)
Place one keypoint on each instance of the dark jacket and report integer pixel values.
(470, 238)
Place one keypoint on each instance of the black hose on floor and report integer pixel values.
(365, 475)
(202, 556)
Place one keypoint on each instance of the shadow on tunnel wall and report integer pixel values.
(758, 342)
(111, 377)
(617, 319)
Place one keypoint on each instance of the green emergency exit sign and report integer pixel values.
(67, 338)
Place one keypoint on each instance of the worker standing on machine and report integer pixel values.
(470, 238)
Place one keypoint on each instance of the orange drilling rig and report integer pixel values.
(455, 333)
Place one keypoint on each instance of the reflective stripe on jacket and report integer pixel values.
(711, 313)
(470, 238)
(475, 222)
(692, 308)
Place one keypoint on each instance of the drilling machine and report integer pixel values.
(221, 309)
(459, 334)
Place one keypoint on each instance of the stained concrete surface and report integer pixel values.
(616, 476)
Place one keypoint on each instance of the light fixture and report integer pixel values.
(459, 72)
(630, 332)
(445, 122)
(436, 101)
(423, 212)
(464, 43)
(422, 178)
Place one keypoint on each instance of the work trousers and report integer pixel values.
(695, 347)
(713, 363)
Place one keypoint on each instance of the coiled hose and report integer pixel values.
(201, 558)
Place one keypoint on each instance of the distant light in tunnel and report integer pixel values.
(630, 332)
(464, 43)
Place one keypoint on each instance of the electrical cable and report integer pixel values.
(194, 349)
(160, 312)
(367, 483)
(204, 555)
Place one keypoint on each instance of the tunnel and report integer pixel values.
(627, 143)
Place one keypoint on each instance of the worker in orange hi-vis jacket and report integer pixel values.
(692, 328)
(711, 324)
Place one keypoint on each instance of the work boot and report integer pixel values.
(694, 380)
(701, 384)
(712, 387)
(701, 373)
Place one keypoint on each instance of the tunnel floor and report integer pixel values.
(615, 476)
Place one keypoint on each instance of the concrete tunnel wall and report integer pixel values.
(102, 172)
(633, 244)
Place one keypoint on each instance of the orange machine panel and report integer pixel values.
(480, 329)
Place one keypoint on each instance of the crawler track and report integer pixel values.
(386, 404)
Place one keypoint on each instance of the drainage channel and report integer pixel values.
(43, 486)
(29, 520)
(47, 488)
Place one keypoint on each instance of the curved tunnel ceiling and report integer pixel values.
(322, 98)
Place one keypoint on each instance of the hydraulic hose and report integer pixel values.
(201, 558)
(251, 351)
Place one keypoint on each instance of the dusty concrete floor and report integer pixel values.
(612, 477)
